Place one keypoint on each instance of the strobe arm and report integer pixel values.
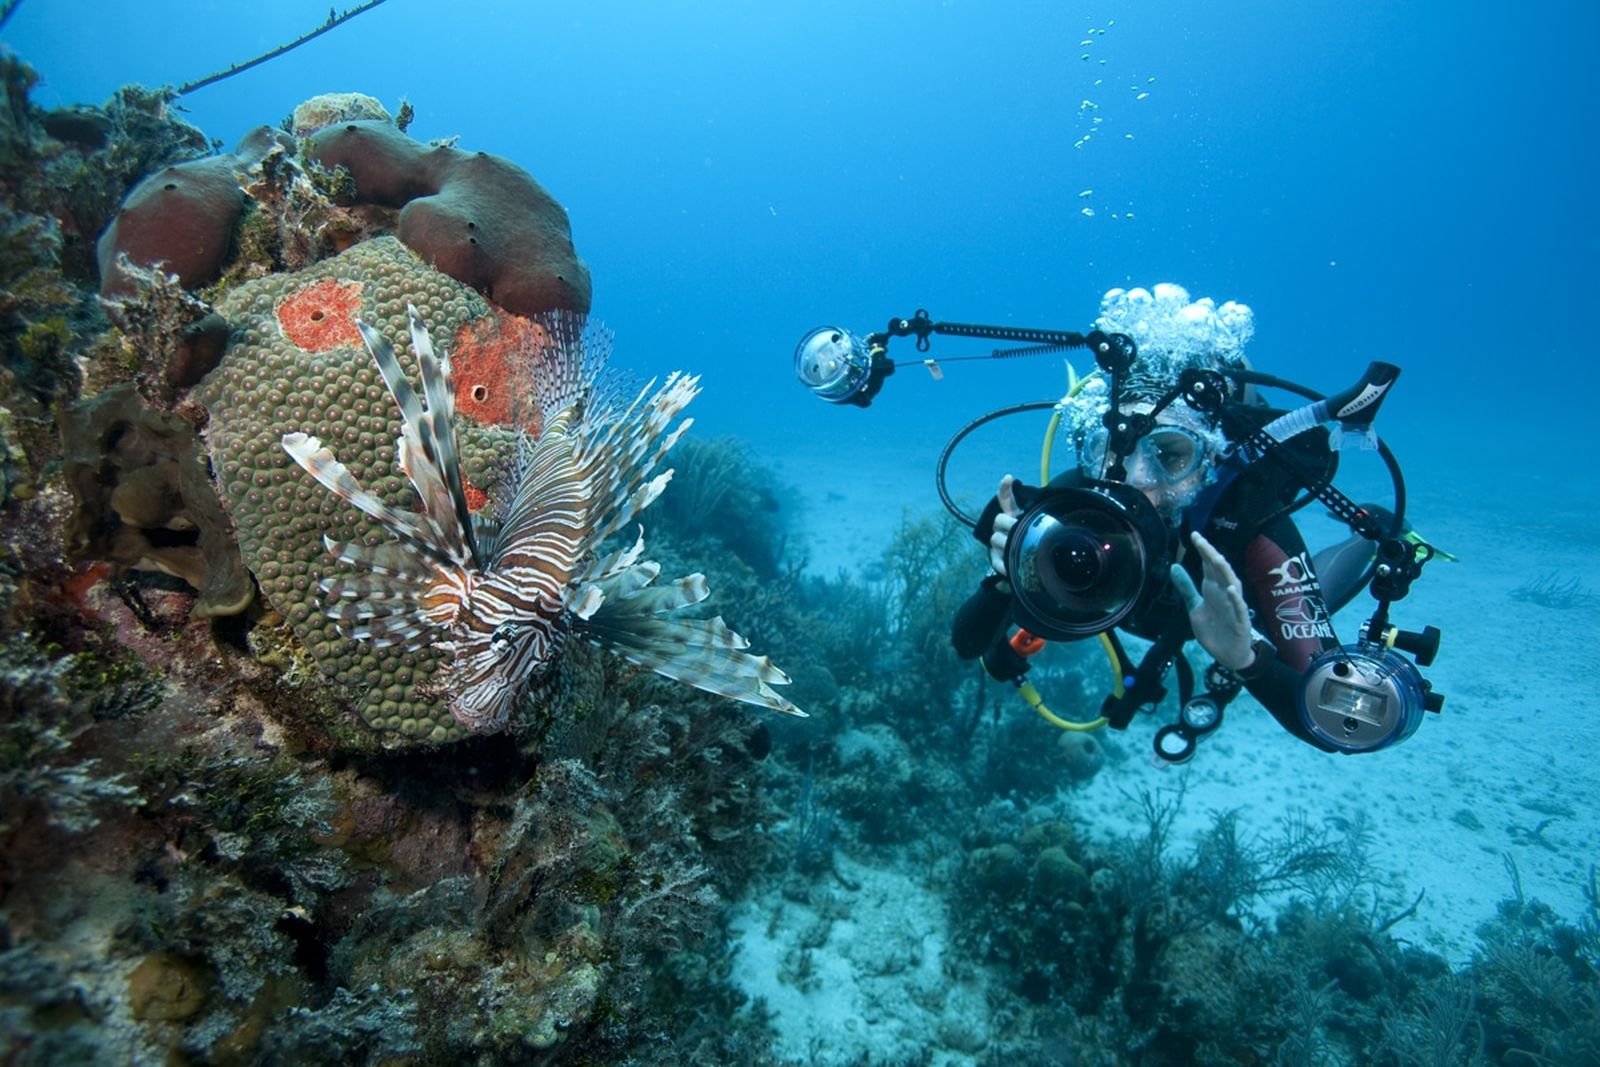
(921, 326)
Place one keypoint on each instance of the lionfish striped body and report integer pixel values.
(499, 596)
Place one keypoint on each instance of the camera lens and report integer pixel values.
(1079, 561)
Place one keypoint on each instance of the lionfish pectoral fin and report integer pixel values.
(325, 467)
(634, 621)
(426, 449)
(587, 601)
(391, 559)
(621, 559)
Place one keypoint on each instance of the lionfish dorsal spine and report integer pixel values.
(427, 445)
(440, 419)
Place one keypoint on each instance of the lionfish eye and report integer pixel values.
(503, 635)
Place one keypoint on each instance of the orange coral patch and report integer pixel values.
(77, 585)
(476, 498)
(489, 356)
(322, 317)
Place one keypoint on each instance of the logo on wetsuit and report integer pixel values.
(1298, 601)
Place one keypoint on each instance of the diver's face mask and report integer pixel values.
(1082, 560)
(1169, 454)
(1169, 465)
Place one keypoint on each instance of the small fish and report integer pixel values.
(500, 595)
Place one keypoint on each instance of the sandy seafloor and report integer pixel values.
(1514, 750)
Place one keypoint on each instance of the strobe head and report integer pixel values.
(1082, 560)
(1364, 697)
(838, 366)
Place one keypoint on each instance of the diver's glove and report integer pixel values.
(1004, 521)
(1217, 614)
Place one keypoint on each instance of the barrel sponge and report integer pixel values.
(293, 363)
(389, 169)
(476, 217)
(182, 217)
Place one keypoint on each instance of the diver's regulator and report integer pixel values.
(1082, 560)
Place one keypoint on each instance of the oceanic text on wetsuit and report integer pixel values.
(1297, 601)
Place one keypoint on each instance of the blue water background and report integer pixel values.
(1401, 181)
(1410, 182)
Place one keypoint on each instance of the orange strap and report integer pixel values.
(1025, 644)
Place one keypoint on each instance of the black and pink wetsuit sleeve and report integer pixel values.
(1287, 608)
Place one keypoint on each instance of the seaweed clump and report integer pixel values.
(1554, 592)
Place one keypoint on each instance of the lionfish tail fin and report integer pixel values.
(636, 620)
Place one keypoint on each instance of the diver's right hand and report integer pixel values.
(1003, 524)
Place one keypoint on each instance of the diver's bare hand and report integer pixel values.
(1003, 524)
(1217, 612)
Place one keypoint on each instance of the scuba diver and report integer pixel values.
(1289, 594)
(1176, 523)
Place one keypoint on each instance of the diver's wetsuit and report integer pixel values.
(1287, 603)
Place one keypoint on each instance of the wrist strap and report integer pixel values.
(1266, 655)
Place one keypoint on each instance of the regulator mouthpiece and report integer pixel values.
(837, 366)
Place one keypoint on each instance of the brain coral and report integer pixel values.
(294, 364)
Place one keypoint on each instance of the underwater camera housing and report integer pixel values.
(1367, 696)
(1083, 559)
(839, 367)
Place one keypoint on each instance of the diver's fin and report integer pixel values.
(1413, 537)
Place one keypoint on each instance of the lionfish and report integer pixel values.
(499, 595)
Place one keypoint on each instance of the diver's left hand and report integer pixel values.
(1217, 613)
(1003, 524)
